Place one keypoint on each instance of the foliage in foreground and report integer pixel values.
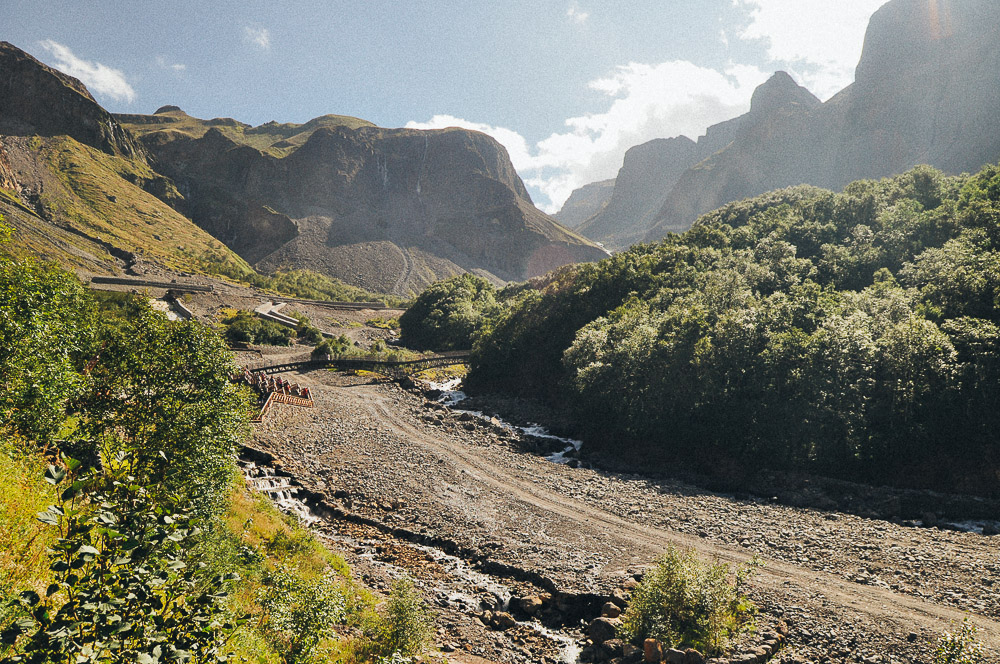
(686, 603)
(142, 549)
(960, 648)
(123, 587)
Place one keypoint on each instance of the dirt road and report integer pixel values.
(851, 589)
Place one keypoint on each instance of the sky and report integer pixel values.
(567, 86)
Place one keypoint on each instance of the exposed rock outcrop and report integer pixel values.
(428, 203)
(927, 90)
(38, 100)
(652, 170)
(584, 203)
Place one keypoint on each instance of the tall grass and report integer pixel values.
(23, 539)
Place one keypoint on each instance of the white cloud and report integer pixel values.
(817, 42)
(259, 37)
(98, 78)
(177, 67)
(577, 15)
(645, 102)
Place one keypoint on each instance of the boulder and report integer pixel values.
(503, 621)
(611, 649)
(674, 656)
(531, 604)
(652, 651)
(692, 656)
(610, 610)
(603, 629)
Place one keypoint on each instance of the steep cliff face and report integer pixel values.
(584, 203)
(651, 171)
(76, 185)
(420, 204)
(927, 90)
(38, 100)
(766, 145)
(646, 176)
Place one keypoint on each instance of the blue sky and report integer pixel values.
(566, 85)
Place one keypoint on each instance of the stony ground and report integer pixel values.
(850, 589)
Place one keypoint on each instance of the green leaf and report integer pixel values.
(48, 518)
(54, 474)
(30, 598)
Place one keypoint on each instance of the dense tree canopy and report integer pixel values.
(445, 315)
(854, 334)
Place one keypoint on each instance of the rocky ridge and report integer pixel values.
(427, 204)
(926, 91)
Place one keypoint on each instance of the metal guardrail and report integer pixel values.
(332, 304)
(363, 364)
(143, 283)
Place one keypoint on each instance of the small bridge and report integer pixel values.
(394, 368)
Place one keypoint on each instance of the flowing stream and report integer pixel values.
(451, 397)
(467, 590)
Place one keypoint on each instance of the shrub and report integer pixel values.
(445, 315)
(301, 613)
(686, 603)
(124, 587)
(405, 629)
(243, 327)
(960, 648)
(342, 345)
(383, 323)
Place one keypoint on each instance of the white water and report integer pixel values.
(262, 478)
(451, 397)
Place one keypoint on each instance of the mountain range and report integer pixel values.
(390, 210)
(926, 91)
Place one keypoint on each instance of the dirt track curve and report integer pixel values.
(582, 528)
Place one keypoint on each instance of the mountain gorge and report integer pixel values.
(926, 90)
(390, 210)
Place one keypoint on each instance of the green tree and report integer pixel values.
(161, 392)
(43, 336)
(445, 315)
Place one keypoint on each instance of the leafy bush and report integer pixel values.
(445, 315)
(340, 346)
(300, 613)
(404, 629)
(45, 333)
(686, 603)
(960, 648)
(244, 327)
(124, 588)
(160, 392)
(383, 323)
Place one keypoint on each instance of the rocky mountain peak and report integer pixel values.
(37, 99)
(780, 93)
(904, 35)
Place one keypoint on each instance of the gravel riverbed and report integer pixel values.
(850, 589)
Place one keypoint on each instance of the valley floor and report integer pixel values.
(850, 589)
